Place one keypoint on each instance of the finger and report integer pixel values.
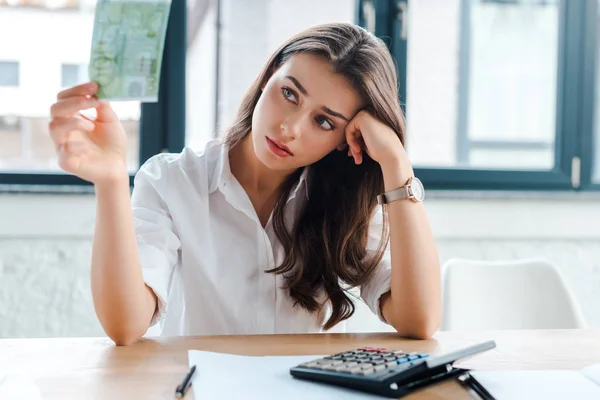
(353, 134)
(86, 89)
(363, 149)
(69, 155)
(69, 106)
(354, 145)
(60, 128)
(72, 147)
(358, 156)
(105, 113)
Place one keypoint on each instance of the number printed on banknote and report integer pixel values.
(127, 48)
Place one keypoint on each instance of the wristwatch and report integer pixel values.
(413, 190)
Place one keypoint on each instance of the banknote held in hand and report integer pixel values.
(127, 48)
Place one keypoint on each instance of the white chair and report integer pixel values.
(521, 294)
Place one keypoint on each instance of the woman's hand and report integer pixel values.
(94, 150)
(365, 133)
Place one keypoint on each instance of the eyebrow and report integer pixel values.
(302, 90)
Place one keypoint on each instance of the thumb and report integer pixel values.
(105, 113)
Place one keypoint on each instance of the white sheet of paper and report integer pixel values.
(232, 377)
(18, 387)
(592, 372)
(547, 385)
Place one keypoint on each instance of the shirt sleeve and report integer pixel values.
(381, 281)
(158, 244)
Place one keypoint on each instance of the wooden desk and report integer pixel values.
(151, 369)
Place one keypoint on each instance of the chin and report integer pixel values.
(273, 162)
(269, 159)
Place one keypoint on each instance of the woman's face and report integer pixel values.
(302, 113)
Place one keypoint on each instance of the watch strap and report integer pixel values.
(393, 195)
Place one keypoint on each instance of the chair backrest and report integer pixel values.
(520, 294)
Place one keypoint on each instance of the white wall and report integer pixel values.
(45, 249)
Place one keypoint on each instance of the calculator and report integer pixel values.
(386, 372)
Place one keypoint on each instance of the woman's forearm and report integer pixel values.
(123, 303)
(414, 306)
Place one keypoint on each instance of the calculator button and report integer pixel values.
(310, 365)
(390, 364)
(324, 361)
(402, 360)
(414, 357)
(379, 367)
(399, 352)
(378, 362)
(366, 366)
(350, 359)
(351, 364)
(368, 371)
(342, 368)
(390, 358)
(423, 355)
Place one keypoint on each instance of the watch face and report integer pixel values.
(417, 189)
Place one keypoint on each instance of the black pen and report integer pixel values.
(185, 385)
(470, 381)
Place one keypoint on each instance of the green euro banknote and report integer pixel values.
(127, 48)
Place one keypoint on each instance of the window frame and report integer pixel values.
(162, 124)
(576, 92)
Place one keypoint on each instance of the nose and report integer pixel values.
(292, 126)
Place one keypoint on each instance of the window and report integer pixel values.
(594, 101)
(9, 73)
(508, 55)
(73, 74)
(27, 154)
(494, 90)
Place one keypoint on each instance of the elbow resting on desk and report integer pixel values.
(416, 322)
(419, 330)
(124, 319)
(123, 337)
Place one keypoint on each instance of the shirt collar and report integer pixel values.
(222, 174)
(301, 184)
(222, 171)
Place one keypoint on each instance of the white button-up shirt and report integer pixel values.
(203, 251)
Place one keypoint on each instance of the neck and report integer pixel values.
(250, 172)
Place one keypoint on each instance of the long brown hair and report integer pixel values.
(328, 241)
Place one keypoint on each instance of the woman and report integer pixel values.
(267, 230)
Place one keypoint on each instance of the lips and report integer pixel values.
(279, 148)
